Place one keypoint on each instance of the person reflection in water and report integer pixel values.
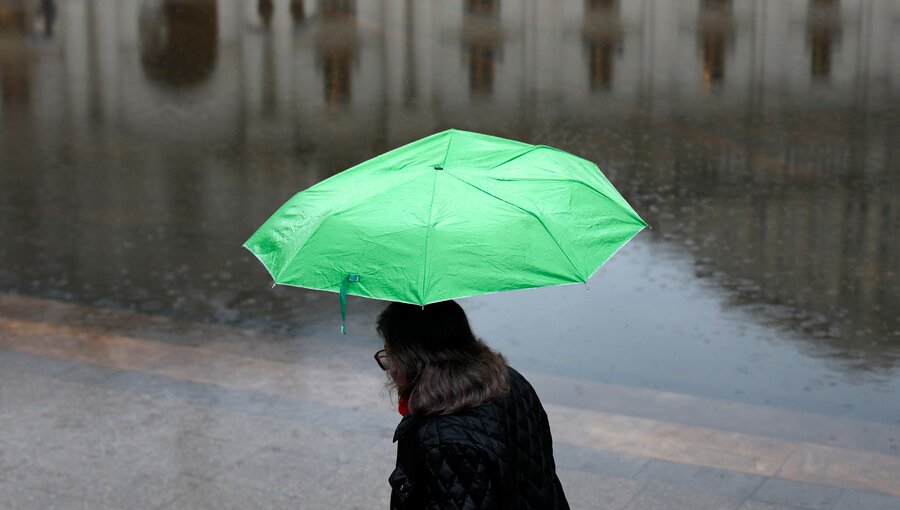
(474, 434)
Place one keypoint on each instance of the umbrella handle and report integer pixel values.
(344, 284)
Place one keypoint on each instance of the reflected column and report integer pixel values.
(482, 43)
(179, 42)
(602, 36)
(716, 32)
(265, 9)
(48, 13)
(298, 12)
(823, 27)
(336, 45)
(15, 64)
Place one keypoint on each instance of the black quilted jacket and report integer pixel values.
(498, 455)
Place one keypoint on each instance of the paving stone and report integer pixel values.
(718, 481)
(662, 496)
(223, 496)
(279, 472)
(726, 483)
(840, 467)
(10, 455)
(589, 491)
(15, 364)
(133, 491)
(798, 494)
(667, 471)
(17, 497)
(193, 454)
(759, 505)
(597, 461)
(853, 500)
(360, 484)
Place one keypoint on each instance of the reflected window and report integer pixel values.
(336, 47)
(179, 41)
(490, 8)
(265, 9)
(481, 69)
(482, 42)
(823, 29)
(716, 26)
(337, 70)
(602, 35)
(337, 9)
(298, 12)
(15, 66)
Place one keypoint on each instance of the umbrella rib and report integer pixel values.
(603, 194)
(428, 236)
(535, 216)
(519, 155)
(447, 152)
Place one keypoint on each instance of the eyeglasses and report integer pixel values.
(381, 357)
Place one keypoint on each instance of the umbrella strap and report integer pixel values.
(344, 284)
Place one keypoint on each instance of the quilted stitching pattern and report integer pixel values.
(498, 455)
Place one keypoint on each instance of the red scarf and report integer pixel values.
(403, 406)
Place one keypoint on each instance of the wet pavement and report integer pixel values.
(742, 354)
(107, 415)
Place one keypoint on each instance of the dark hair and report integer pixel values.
(435, 361)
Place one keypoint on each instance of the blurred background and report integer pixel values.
(142, 142)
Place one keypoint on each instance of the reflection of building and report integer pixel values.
(48, 12)
(179, 41)
(715, 30)
(261, 109)
(823, 26)
(15, 67)
(602, 38)
(265, 8)
(336, 47)
(482, 40)
(298, 11)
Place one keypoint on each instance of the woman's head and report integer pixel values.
(436, 362)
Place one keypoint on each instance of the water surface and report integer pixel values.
(141, 142)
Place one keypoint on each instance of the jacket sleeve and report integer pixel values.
(458, 477)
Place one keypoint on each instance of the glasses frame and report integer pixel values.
(380, 358)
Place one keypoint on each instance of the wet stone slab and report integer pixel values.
(853, 500)
(705, 479)
(797, 494)
(661, 496)
(598, 492)
(226, 496)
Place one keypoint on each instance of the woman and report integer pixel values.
(474, 434)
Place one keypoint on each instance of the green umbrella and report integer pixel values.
(454, 214)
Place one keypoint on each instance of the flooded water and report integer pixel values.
(141, 142)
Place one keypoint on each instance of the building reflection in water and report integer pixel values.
(336, 45)
(15, 66)
(824, 166)
(179, 41)
(48, 13)
(716, 32)
(602, 35)
(265, 9)
(823, 26)
(410, 81)
(482, 39)
(298, 12)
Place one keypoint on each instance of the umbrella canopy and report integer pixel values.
(451, 215)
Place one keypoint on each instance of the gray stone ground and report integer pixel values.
(77, 435)
(145, 413)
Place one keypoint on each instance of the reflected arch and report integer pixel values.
(178, 41)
